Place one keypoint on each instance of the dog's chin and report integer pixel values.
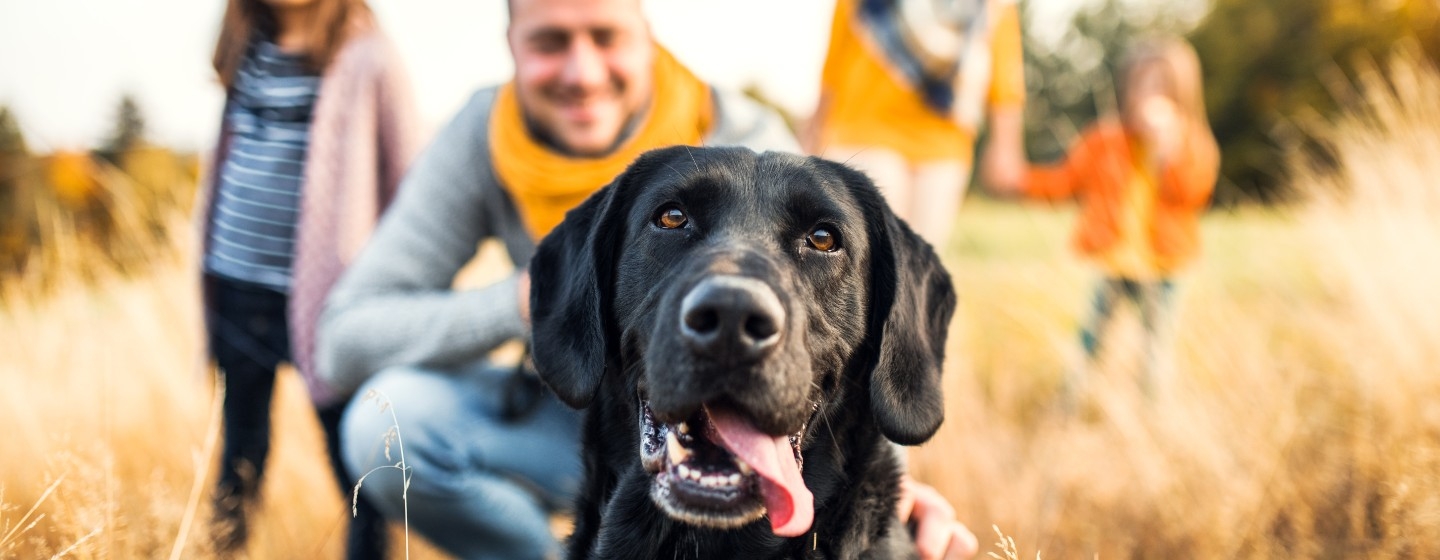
(696, 479)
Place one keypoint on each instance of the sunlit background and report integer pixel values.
(65, 63)
(1309, 422)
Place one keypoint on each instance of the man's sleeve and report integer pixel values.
(395, 305)
(741, 121)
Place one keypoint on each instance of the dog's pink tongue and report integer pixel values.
(790, 505)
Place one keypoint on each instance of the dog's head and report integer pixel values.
(734, 294)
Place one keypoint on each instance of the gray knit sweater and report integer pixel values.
(395, 306)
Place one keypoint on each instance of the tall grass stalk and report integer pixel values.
(392, 434)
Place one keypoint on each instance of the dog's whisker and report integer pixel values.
(854, 155)
(692, 158)
(671, 167)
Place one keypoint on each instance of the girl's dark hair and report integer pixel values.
(333, 23)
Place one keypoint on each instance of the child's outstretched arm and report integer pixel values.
(1065, 179)
(1050, 182)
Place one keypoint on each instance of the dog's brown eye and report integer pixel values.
(671, 218)
(821, 239)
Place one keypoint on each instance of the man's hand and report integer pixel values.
(938, 535)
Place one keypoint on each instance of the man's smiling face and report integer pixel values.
(582, 69)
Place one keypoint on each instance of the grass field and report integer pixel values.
(1305, 422)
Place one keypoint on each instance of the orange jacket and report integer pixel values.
(1098, 169)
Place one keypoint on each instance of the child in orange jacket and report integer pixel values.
(1141, 178)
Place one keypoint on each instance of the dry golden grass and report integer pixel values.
(1305, 422)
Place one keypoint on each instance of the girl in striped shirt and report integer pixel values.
(317, 127)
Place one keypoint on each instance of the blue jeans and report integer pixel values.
(483, 481)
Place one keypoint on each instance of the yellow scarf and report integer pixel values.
(545, 184)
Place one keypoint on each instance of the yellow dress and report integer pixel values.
(867, 103)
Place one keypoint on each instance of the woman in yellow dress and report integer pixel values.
(905, 88)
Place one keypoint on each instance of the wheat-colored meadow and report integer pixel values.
(1305, 422)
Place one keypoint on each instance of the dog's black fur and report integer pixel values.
(859, 361)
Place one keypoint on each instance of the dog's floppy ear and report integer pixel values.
(572, 277)
(911, 303)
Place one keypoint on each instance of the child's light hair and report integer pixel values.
(1183, 83)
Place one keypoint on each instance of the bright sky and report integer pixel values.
(65, 63)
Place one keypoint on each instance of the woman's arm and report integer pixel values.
(397, 119)
(1002, 163)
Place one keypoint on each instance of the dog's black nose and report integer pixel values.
(731, 318)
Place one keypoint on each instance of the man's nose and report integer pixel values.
(584, 64)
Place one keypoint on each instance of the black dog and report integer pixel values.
(746, 330)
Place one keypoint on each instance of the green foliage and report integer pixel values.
(1266, 63)
(16, 191)
(1069, 78)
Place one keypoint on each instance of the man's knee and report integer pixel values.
(398, 416)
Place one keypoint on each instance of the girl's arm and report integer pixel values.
(398, 120)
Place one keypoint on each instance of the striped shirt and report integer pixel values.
(252, 237)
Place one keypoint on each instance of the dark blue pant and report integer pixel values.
(1154, 299)
(249, 338)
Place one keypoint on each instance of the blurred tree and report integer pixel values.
(11, 140)
(1069, 76)
(16, 195)
(1265, 63)
(128, 132)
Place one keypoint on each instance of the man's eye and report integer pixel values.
(671, 217)
(549, 42)
(822, 239)
(603, 37)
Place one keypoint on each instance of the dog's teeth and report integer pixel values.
(734, 479)
(744, 468)
(677, 453)
(684, 471)
(684, 428)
